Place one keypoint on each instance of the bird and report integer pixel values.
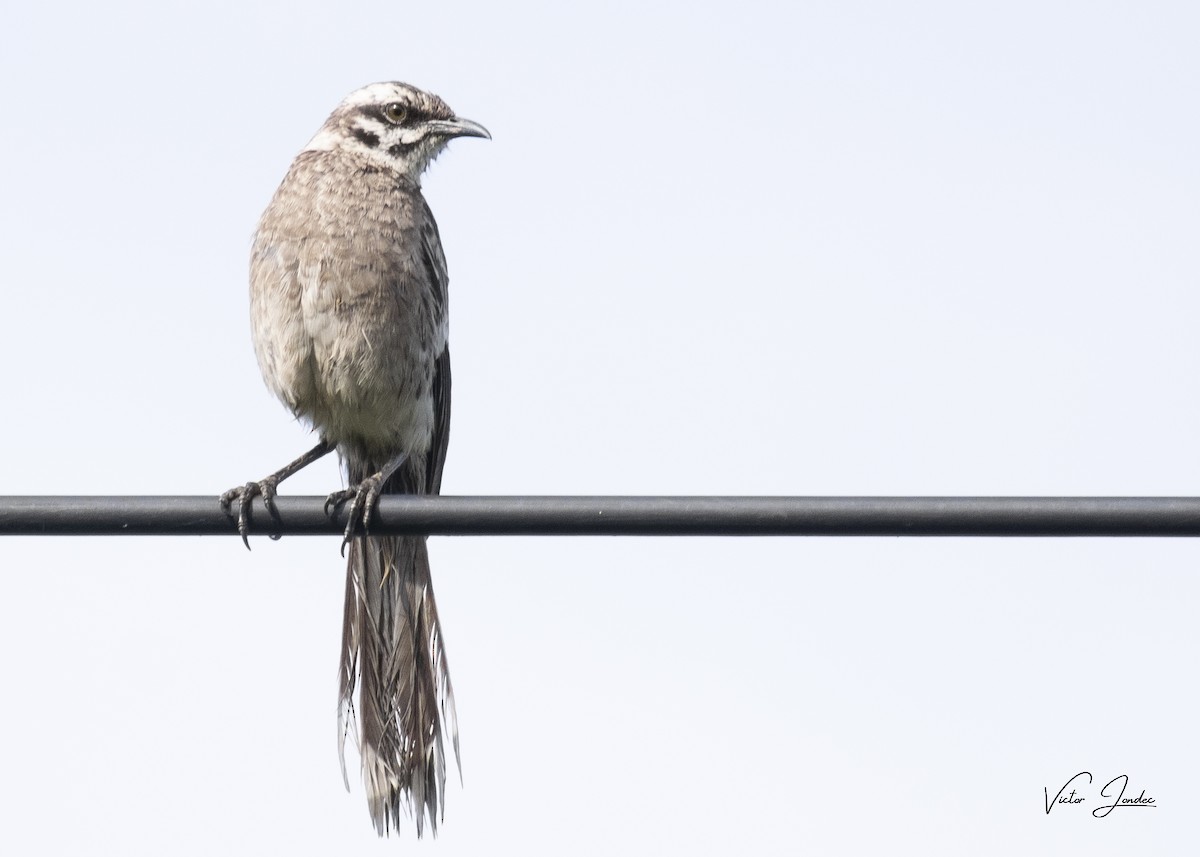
(348, 307)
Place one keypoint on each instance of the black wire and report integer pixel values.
(645, 516)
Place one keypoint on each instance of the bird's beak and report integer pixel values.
(458, 127)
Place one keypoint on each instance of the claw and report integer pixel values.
(245, 494)
(333, 501)
(365, 497)
(266, 488)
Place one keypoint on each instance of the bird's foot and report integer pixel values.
(244, 494)
(365, 497)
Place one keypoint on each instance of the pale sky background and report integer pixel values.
(746, 248)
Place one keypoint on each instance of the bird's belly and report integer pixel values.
(356, 366)
(373, 386)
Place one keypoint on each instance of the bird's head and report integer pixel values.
(396, 125)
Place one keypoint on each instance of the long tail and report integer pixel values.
(392, 647)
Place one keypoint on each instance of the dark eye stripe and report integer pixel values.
(375, 111)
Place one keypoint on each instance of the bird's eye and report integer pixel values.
(395, 112)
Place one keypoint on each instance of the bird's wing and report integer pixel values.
(434, 261)
(441, 422)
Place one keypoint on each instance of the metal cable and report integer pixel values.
(625, 516)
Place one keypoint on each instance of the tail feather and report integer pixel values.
(392, 648)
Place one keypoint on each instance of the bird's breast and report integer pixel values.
(347, 327)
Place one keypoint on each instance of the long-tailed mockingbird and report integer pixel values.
(348, 307)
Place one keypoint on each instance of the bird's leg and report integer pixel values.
(365, 495)
(265, 488)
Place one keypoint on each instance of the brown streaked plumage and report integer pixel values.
(348, 308)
